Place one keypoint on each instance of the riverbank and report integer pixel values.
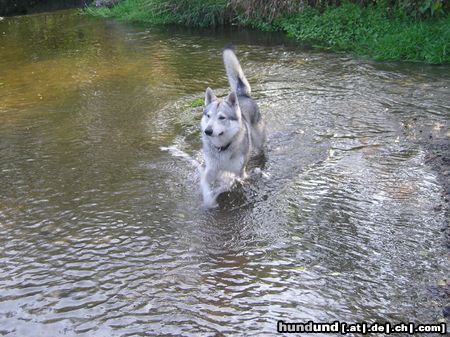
(376, 32)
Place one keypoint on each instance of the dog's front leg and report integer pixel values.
(207, 179)
(242, 168)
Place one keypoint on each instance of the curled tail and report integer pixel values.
(236, 77)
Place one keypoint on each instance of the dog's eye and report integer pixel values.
(221, 117)
(207, 115)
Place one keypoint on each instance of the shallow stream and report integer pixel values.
(103, 234)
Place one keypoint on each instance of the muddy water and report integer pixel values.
(103, 234)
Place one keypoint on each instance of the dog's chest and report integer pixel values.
(226, 161)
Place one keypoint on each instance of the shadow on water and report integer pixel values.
(104, 234)
(24, 7)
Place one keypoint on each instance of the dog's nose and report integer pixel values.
(208, 131)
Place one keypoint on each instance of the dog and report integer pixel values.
(232, 131)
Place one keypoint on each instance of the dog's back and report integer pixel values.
(249, 108)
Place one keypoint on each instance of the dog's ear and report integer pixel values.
(209, 96)
(232, 99)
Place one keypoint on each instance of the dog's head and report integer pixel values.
(221, 119)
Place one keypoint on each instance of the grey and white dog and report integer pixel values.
(232, 131)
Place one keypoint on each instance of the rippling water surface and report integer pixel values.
(103, 234)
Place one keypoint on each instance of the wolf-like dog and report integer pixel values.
(232, 131)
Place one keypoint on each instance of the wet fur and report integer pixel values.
(232, 131)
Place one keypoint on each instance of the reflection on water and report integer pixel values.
(103, 234)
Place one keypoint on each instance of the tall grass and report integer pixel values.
(201, 13)
(380, 29)
(370, 32)
(270, 9)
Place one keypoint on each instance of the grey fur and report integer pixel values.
(236, 78)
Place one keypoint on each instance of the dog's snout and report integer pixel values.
(208, 131)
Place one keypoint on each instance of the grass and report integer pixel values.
(373, 31)
(197, 102)
(199, 13)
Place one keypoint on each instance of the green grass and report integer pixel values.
(199, 13)
(197, 102)
(372, 31)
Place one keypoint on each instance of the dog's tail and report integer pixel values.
(236, 77)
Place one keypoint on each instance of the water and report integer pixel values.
(103, 234)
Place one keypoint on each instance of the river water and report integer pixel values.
(103, 234)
